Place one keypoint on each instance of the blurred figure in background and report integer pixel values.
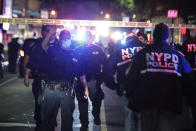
(189, 50)
(142, 37)
(1, 59)
(13, 48)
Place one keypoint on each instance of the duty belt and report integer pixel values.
(65, 86)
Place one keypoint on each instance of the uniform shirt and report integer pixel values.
(29, 45)
(38, 58)
(63, 64)
(92, 57)
(158, 78)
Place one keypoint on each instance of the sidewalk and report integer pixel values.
(8, 76)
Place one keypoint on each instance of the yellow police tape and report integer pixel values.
(88, 23)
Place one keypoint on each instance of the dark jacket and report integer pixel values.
(158, 79)
(92, 58)
(120, 61)
(189, 50)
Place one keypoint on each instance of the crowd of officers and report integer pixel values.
(155, 81)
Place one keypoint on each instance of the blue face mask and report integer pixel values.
(66, 44)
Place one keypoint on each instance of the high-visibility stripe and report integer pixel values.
(88, 23)
(160, 70)
(124, 62)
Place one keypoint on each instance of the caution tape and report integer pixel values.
(88, 23)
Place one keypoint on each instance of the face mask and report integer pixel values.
(20, 41)
(66, 44)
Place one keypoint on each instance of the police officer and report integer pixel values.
(62, 68)
(93, 59)
(189, 50)
(118, 63)
(36, 54)
(13, 48)
(158, 77)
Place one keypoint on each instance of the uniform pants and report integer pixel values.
(193, 110)
(95, 94)
(51, 100)
(37, 90)
(157, 120)
(131, 117)
(12, 64)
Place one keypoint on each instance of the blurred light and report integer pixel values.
(137, 30)
(148, 36)
(68, 26)
(123, 41)
(80, 34)
(1, 36)
(53, 12)
(102, 30)
(134, 16)
(124, 35)
(183, 31)
(117, 35)
(148, 21)
(101, 12)
(15, 15)
(177, 37)
(15, 35)
(5, 63)
(21, 53)
(107, 16)
(6, 26)
(96, 38)
(93, 32)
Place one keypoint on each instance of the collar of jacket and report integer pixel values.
(161, 42)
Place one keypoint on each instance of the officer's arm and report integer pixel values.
(46, 40)
(26, 78)
(26, 59)
(84, 83)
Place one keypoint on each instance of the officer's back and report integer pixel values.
(158, 75)
(126, 54)
(92, 56)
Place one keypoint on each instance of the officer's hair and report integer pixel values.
(65, 32)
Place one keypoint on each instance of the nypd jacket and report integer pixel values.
(189, 50)
(159, 77)
(120, 60)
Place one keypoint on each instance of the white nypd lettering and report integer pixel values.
(127, 53)
(162, 60)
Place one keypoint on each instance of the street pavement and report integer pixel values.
(17, 106)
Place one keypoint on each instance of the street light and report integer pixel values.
(148, 21)
(107, 16)
(134, 16)
(53, 14)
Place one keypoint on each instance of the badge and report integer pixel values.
(95, 52)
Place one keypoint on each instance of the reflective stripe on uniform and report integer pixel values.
(160, 70)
